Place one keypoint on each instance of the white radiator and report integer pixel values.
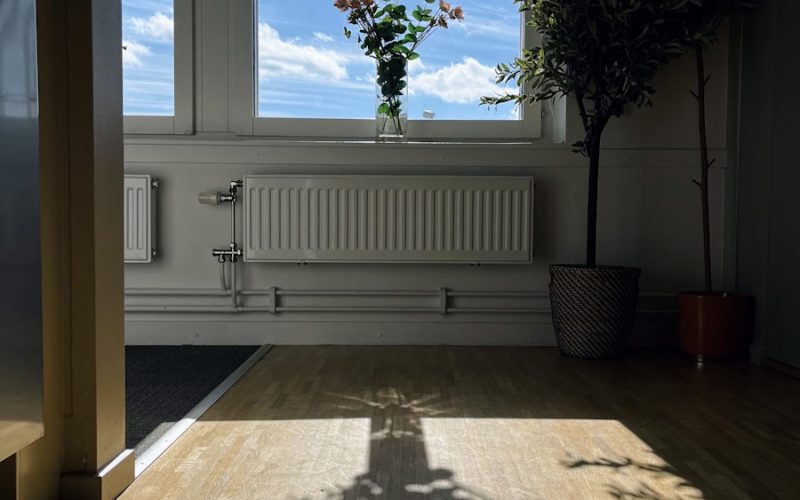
(388, 219)
(140, 227)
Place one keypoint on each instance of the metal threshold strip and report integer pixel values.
(150, 455)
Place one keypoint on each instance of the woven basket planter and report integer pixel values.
(593, 309)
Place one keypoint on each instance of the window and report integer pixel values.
(310, 78)
(152, 72)
(148, 58)
(305, 68)
(457, 66)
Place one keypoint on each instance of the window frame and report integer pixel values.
(244, 65)
(182, 122)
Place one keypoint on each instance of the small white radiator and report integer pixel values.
(140, 221)
(467, 219)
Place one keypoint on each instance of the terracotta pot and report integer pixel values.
(714, 325)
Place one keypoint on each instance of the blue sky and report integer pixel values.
(307, 69)
(148, 58)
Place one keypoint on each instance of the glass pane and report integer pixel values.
(148, 55)
(307, 69)
(456, 67)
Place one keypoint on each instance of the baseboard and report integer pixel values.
(782, 367)
(757, 354)
(107, 484)
(649, 332)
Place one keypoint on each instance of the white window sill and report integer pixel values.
(231, 139)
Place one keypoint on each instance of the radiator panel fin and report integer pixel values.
(139, 219)
(388, 219)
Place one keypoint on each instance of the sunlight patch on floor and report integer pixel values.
(313, 458)
(550, 458)
(396, 454)
(399, 452)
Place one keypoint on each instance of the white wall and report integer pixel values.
(769, 241)
(649, 217)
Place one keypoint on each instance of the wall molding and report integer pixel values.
(649, 332)
(442, 303)
(210, 320)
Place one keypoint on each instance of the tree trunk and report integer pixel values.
(591, 216)
(705, 165)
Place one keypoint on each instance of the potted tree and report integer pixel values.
(604, 54)
(712, 323)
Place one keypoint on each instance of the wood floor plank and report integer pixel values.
(335, 422)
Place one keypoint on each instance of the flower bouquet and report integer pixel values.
(388, 33)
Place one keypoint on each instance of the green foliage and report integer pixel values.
(387, 34)
(604, 53)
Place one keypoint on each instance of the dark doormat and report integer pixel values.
(163, 383)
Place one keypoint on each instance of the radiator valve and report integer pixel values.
(233, 253)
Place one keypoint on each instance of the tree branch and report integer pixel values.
(582, 110)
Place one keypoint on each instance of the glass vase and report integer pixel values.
(391, 108)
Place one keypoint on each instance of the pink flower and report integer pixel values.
(444, 6)
(345, 5)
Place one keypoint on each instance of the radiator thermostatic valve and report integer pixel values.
(210, 198)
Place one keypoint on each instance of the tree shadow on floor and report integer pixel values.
(398, 459)
(710, 432)
(643, 489)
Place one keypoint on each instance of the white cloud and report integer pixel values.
(415, 66)
(460, 83)
(133, 53)
(322, 37)
(157, 27)
(284, 58)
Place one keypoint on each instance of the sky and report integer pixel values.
(148, 74)
(308, 69)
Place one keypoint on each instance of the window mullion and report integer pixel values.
(243, 66)
(184, 67)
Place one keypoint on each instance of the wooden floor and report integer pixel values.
(487, 423)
